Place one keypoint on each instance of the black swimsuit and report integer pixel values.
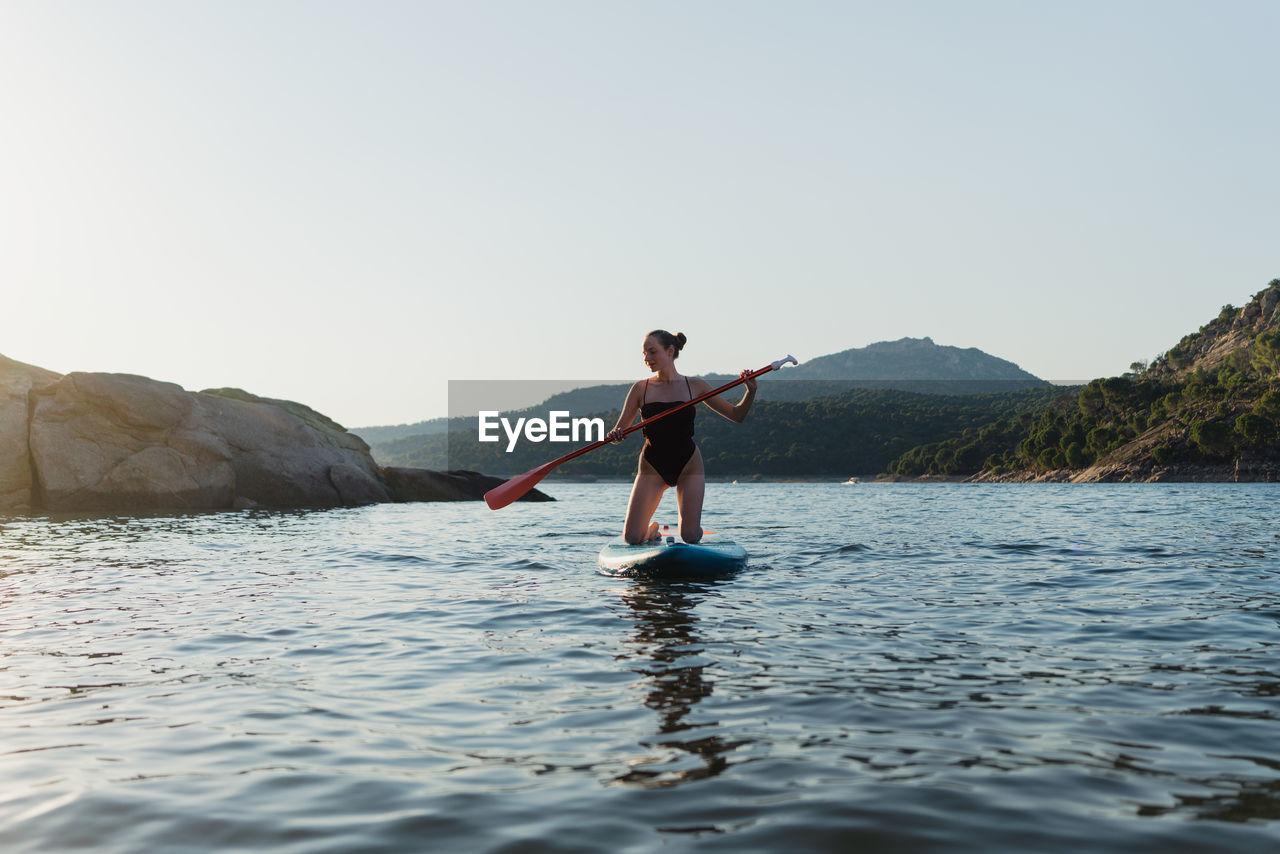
(668, 443)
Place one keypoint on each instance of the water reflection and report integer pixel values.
(668, 650)
(1245, 800)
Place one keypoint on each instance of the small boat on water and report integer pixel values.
(851, 480)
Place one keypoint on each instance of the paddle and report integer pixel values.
(505, 493)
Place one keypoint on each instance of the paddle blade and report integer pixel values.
(512, 490)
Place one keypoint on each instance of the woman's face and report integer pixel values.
(656, 357)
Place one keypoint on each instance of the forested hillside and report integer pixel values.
(853, 433)
(909, 364)
(1209, 407)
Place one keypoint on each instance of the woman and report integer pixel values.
(670, 457)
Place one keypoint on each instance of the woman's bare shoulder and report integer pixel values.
(636, 388)
(699, 385)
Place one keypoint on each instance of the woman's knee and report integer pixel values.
(691, 525)
(690, 533)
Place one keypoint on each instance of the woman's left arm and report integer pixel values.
(736, 413)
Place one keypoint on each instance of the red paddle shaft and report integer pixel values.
(505, 493)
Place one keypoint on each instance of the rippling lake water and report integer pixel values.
(900, 668)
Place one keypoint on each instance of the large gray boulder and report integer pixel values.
(123, 443)
(126, 443)
(288, 455)
(16, 381)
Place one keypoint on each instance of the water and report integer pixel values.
(900, 668)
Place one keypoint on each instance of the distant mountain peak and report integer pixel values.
(913, 360)
(890, 346)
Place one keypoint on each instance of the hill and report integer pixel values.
(910, 364)
(856, 432)
(392, 432)
(1208, 409)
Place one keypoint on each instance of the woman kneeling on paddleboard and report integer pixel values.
(670, 457)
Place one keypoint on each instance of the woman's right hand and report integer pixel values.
(614, 436)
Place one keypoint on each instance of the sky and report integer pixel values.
(351, 204)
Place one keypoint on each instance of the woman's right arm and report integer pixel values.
(630, 407)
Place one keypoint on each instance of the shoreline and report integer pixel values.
(1205, 474)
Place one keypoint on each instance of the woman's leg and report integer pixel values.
(690, 489)
(646, 494)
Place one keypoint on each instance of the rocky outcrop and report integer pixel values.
(1232, 331)
(122, 442)
(16, 381)
(287, 454)
(408, 484)
(125, 443)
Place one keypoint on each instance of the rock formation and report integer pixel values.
(124, 443)
(16, 381)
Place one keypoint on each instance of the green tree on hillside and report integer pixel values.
(1213, 437)
(1266, 353)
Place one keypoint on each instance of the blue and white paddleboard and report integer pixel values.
(670, 557)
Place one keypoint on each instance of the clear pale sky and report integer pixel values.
(349, 204)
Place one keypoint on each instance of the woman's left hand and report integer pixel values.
(751, 381)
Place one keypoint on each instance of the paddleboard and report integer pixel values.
(671, 558)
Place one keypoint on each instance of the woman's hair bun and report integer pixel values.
(666, 339)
